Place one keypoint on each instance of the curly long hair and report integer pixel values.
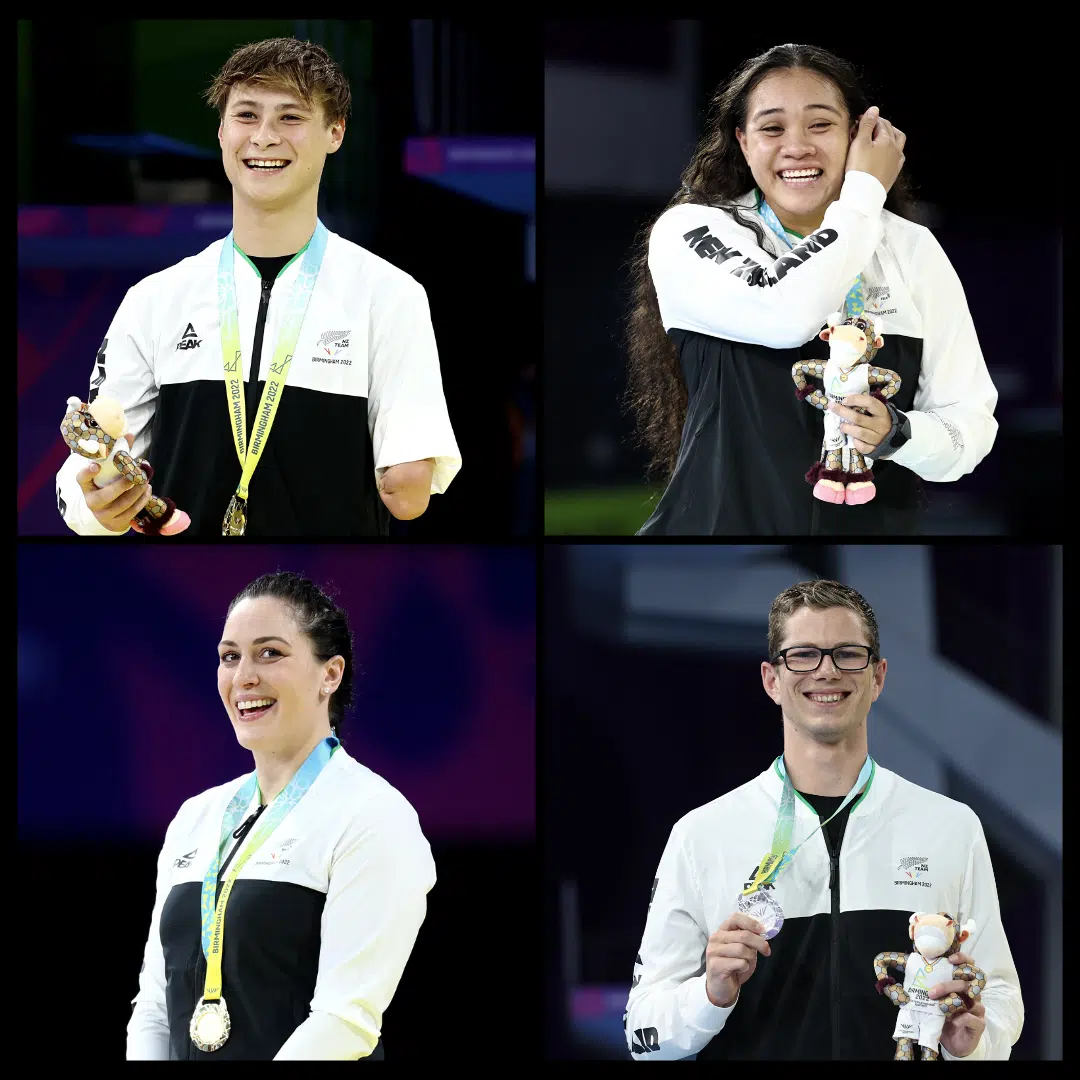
(716, 176)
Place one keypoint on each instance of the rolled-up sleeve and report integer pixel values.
(407, 415)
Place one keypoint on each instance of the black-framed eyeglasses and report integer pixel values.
(804, 658)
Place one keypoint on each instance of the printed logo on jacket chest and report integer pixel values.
(277, 853)
(913, 871)
(876, 295)
(331, 346)
(188, 340)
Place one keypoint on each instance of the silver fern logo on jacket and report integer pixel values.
(912, 870)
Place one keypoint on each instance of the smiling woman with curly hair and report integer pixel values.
(793, 208)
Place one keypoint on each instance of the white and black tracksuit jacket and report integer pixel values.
(364, 393)
(741, 316)
(895, 850)
(319, 925)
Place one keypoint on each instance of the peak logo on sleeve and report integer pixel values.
(185, 860)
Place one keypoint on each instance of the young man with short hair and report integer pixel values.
(747, 958)
(333, 411)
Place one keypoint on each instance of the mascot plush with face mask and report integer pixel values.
(843, 475)
(936, 938)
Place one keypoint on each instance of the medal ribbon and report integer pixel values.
(854, 304)
(213, 914)
(779, 855)
(292, 321)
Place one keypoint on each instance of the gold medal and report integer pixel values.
(235, 517)
(210, 1025)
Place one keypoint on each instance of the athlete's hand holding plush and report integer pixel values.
(854, 425)
(116, 485)
(938, 1000)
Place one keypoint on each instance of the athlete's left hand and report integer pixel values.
(867, 430)
(963, 1030)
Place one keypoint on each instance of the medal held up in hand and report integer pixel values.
(764, 907)
(757, 900)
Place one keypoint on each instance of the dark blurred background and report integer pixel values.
(120, 722)
(120, 175)
(624, 105)
(652, 705)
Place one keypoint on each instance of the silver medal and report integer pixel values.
(764, 907)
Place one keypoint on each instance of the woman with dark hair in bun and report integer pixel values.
(288, 900)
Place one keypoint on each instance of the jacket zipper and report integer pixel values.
(240, 833)
(256, 351)
(200, 969)
(834, 945)
(834, 888)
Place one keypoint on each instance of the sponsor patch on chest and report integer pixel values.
(331, 348)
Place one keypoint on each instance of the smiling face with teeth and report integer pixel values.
(270, 681)
(261, 122)
(796, 142)
(824, 709)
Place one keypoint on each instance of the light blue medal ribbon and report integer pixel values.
(854, 302)
(785, 822)
(269, 820)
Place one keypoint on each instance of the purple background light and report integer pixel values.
(119, 717)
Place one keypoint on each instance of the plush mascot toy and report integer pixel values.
(843, 475)
(936, 938)
(97, 432)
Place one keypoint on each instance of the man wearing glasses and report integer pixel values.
(771, 902)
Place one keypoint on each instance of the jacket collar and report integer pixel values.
(861, 804)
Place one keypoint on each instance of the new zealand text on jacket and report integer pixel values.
(740, 316)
